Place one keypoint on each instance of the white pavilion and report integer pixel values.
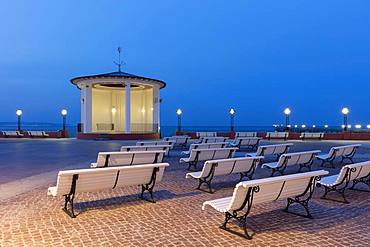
(119, 103)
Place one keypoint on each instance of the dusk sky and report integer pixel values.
(258, 56)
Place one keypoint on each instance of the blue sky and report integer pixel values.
(256, 56)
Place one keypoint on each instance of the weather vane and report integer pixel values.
(119, 59)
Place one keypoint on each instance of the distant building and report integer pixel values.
(119, 103)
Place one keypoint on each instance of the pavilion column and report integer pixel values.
(156, 108)
(128, 107)
(87, 105)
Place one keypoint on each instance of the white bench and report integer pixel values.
(296, 188)
(155, 143)
(303, 159)
(250, 142)
(212, 139)
(343, 152)
(245, 134)
(12, 134)
(198, 155)
(181, 141)
(108, 159)
(165, 148)
(71, 182)
(37, 134)
(244, 166)
(205, 146)
(206, 134)
(275, 149)
(355, 173)
(311, 135)
(277, 135)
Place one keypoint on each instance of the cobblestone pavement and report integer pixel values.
(117, 217)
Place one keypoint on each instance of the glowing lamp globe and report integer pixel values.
(18, 112)
(345, 111)
(287, 111)
(179, 112)
(232, 111)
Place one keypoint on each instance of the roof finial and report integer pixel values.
(119, 59)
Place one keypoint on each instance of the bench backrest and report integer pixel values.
(357, 171)
(206, 134)
(272, 189)
(90, 180)
(146, 148)
(36, 133)
(277, 134)
(154, 143)
(247, 141)
(245, 134)
(213, 139)
(230, 166)
(12, 133)
(273, 149)
(211, 154)
(109, 159)
(297, 158)
(177, 139)
(207, 145)
(343, 150)
(312, 135)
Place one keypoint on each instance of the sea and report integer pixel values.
(165, 130)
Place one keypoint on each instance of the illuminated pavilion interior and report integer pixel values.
(118, 103)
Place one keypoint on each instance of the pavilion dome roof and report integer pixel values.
(118, 74)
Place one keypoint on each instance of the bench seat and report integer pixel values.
(244, 166)
(355, 173)
(180, 141)
(346, 152)
(295, 188)
(275, 149)
(108, 159)
(250, 142)
(71, 182)
(165, 148)
(205, 146)
(198, 155)
(303, 159)
(155, 143)
(212, 139)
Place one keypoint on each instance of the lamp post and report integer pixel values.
(232, 113)
(19, 114)
(287, 112)
(64, 113)
(179, 113)
(345, 112)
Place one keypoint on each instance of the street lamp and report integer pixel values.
(232, 113)
(19, 114)
(287, 112)
(179, 113)
(64, 113)
(345, 112)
